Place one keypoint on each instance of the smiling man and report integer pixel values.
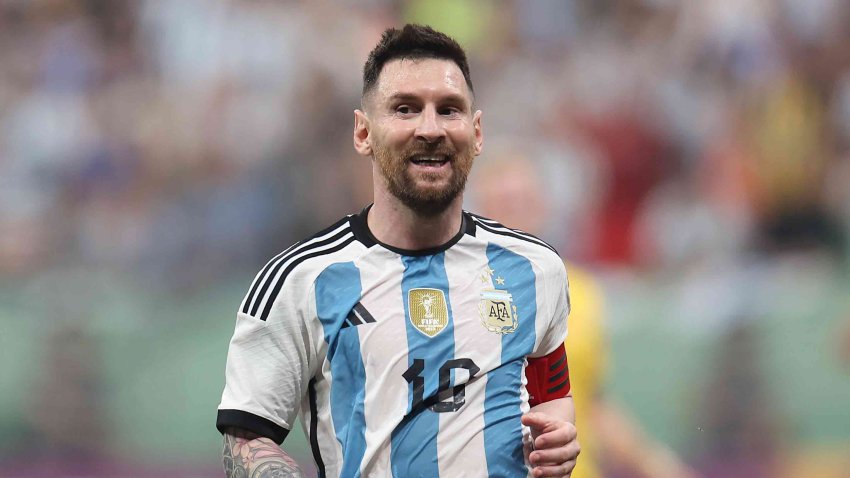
(414, 339)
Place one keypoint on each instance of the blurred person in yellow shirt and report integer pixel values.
(507, 189)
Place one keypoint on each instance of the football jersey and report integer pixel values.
(400, 363)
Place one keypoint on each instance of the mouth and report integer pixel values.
(432, 161)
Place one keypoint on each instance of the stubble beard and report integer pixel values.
(424, 201)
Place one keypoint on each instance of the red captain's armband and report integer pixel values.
(548, 377)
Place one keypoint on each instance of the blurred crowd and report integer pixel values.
(183, 138)
(179, 141)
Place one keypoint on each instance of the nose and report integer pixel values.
(430, 129)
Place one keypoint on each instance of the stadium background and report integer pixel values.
(153, 155)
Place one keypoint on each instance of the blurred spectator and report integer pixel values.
(508, 187)
(742, 431)
(67, 417)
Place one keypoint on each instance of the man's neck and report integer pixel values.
(396, 225)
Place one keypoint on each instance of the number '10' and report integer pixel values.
(450, 399)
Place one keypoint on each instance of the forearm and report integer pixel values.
(561, 408)
(247, 455)
(554, 449)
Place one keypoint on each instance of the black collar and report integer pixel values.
(360, 227)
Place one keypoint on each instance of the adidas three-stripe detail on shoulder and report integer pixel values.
(266, 286)
(358, 315)
(497, 228)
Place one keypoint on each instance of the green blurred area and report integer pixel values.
(160, 365)
(160, 369)
(662, 368)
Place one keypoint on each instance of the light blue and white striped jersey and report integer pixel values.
(401, 363)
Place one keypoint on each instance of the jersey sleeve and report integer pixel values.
(552, 329)
(269, 363)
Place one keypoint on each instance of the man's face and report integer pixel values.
(422, 132)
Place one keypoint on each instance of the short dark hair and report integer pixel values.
(413, 42)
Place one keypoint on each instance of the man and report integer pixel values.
(415, 338)
(508, 187)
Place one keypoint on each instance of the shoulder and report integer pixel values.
(297, 266)
(517, 241)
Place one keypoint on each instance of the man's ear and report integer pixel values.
(479, 133)
(361, 133)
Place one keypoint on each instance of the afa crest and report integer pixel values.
(498, 313)
(429, 313)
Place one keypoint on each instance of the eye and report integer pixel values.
(404, 109)
(448, 111)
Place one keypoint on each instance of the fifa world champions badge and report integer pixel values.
(429, 313)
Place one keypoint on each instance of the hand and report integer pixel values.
(556, 445)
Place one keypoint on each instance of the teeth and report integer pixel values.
(430, 159)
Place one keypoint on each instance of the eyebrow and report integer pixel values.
(450, 98)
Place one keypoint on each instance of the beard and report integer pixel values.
(428, 200)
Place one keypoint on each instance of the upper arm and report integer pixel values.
(548, 377)
(554, 306)
(269, 363)
(547, 372)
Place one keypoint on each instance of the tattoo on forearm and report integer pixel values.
(249, 456)
(274, 470)
(233, 466)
